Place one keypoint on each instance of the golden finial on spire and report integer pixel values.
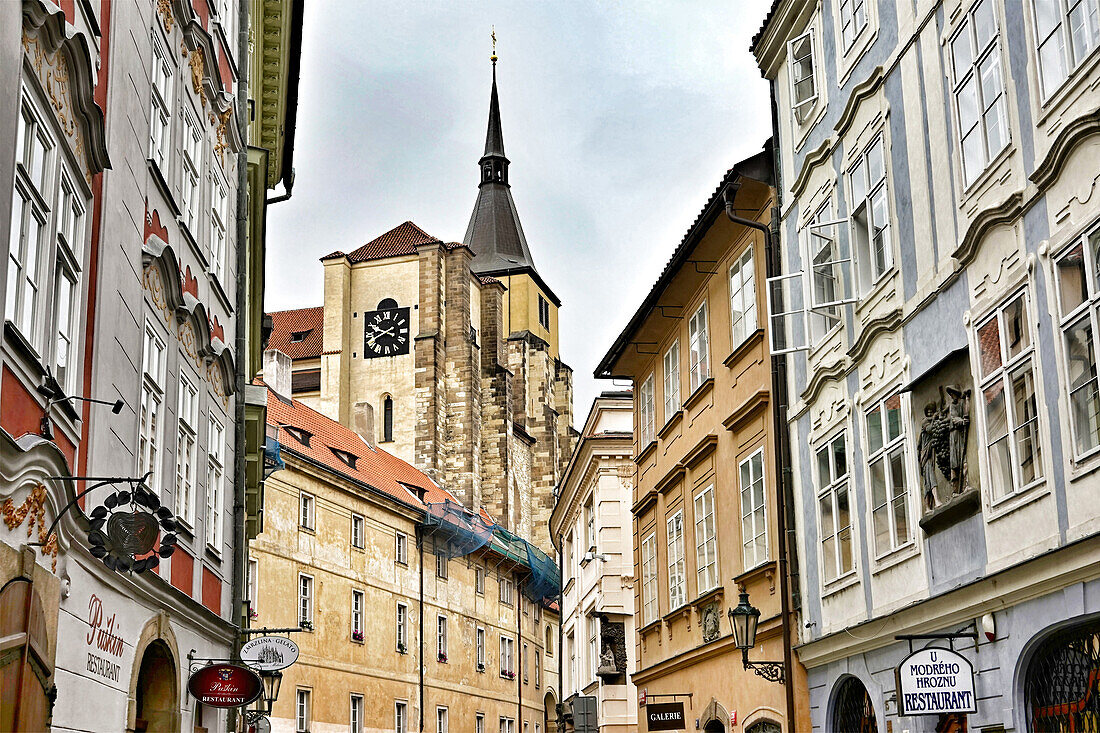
(493, 35)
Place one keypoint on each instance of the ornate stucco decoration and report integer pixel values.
(195, 59)
(62, 61)
(164, 8)
(34, 507)
(711, 625)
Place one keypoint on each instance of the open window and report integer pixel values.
(830, 280)
(800, 51)
(787, 313)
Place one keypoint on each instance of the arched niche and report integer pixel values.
(155, 678)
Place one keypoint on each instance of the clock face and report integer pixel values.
(386, 332)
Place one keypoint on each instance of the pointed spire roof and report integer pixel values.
(495, 234)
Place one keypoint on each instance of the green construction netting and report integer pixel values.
(545, 580)
(457, 532)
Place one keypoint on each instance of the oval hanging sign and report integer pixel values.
(269, 653)
(225, 685)
(935, 681)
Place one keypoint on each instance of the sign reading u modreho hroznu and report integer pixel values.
(935, 681)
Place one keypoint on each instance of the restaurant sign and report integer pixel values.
(270, 653)
(665, 716)
(225, 685)
(935, 681)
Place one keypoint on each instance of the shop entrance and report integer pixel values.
(156, 690)
(26, 668)
(852, 708)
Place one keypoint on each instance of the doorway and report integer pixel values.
(156, 690)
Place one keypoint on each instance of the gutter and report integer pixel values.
(240, 338)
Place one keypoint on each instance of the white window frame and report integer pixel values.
(802, 57)
(441, 719)
(479, 580)
(852, 23)
(972, 82)
(307, 511)
(788, 330)
(191, 172)
(303, 705)
(1072, 315)
(752, 479)
(71, 217)
(441, 569)
(253, 586)
(866, 194)
(479, 637)
(883, 450)
(441, 638)
(706, 541)
(358, 530)
(400, 716)
(1002, 378)
(187, 439)
(649, 579)
(831, 271)
(162, 104)
(219, 225)
(401, 622)
(646, 417)
(506, 591)
(593, 646)
(151, 415)
(355, 714)
(507, 725)
(507, 655)
(670, 372)
(1060, 34)
(215, 481)
(357, 600)
(306, 589)
(698, 348)
(744, 320)
(479, 723)
(677, 572)
(590, 523)
(831, 487)
(401, 548)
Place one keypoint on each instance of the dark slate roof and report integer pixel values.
(495, 234)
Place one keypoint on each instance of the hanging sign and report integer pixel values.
(269, 653)
(225, 685)
(935, 681)
(665, 716)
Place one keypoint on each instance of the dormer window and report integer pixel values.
(298, 336)
(302, 436)
(417, 491)
(347, 458)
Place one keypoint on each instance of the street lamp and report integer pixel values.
(272, 681)
(743, 621)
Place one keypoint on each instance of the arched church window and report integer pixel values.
(852, 709)
(387, 303)
(1060, 687)
(387, 419)
(549, 641)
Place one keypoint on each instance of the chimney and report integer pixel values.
(364, 422)
(277, 372)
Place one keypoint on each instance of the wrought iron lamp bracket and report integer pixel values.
(771, 671)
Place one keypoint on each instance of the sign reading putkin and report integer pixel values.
(225, 685)
(935, 681)
(665, 716)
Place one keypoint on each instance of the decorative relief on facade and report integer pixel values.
(189, 342)
(613, 644)
(34, 506)
(221, 122)
(53, 73)
(196, 61)
(944, 437)
(164, 7)
(882, 369)
(217, 383)
(154, 283)
(829, 409)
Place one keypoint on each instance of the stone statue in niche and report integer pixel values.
(712, 627)
(607, 662)
(944, 435)
(613, 644)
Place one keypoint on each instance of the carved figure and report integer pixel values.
(944, 435)
(607, 661)
(711, 625)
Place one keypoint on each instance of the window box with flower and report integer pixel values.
(508, 674)
(442, 658)
(401, 648)
(357, 636)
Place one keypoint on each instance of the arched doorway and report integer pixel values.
(714, 717)
(1061, 683)
(764, 726)
(714, 726)
(550, 712)
(853, 711)
(155, 694)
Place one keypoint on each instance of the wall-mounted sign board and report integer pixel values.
(270, 653)
(225, 685)
(665, 716)
(935, 681)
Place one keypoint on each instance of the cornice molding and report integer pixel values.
(832, 372)
(1064, 144)
(813, 159)
(1007, 212)
(860, 92)
(883, 324)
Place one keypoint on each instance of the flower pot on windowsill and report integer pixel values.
(480, 666)
(510, 675)
(443, 658)
(357, 636)
(401, 648)
(306, 625)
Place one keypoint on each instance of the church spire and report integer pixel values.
(495, 234)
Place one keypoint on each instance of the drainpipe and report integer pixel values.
(240, 544)
(420, 661)
(779, 429)
(518, 651)
(559, 708)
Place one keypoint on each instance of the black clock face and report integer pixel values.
(386, 332)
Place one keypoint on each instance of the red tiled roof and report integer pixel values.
(401, 240)
(375, 467)
(307, 322)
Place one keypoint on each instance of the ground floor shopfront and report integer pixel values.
(1036, 656)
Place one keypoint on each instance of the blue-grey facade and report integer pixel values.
(937, 310)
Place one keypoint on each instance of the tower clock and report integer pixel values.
(386, 332)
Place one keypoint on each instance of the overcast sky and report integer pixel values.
(620, 119)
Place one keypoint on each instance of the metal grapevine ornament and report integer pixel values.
(123, 530)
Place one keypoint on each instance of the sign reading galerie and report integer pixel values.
(225, 685)
(935, 681)
(269, 653)
(665, 716)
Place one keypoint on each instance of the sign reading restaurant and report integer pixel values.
(665, 716)
(935, 681)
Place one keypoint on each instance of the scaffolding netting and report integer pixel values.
(544, 581)
(456, 532)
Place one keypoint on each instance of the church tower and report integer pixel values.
(496, 238)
